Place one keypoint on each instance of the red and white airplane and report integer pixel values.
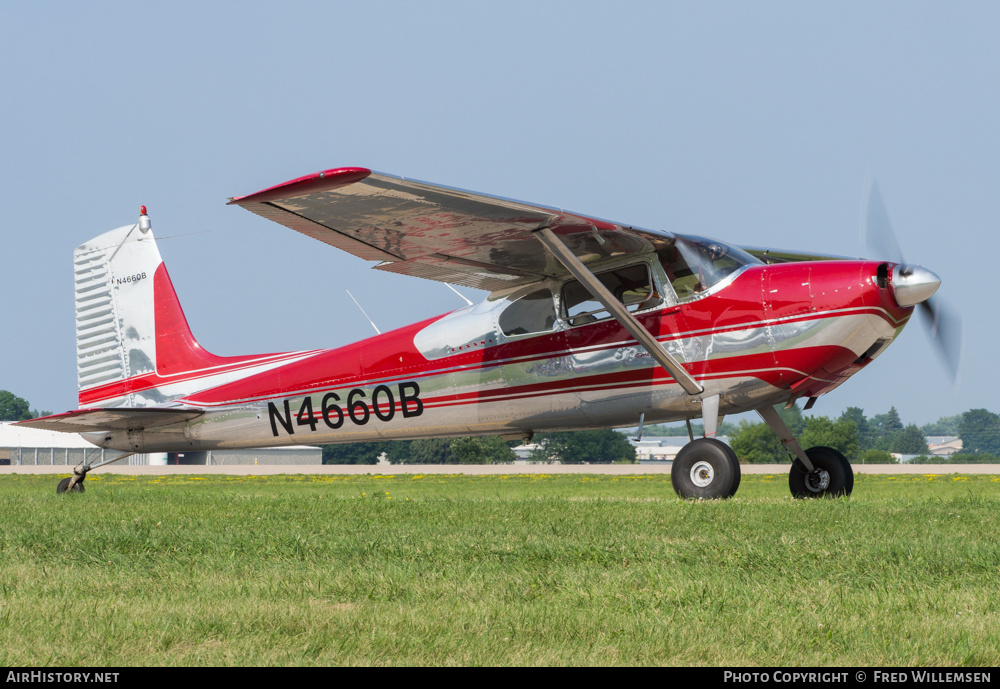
(588, 324)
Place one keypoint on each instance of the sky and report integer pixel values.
(755, 123)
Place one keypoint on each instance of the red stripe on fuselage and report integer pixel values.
(795, 362)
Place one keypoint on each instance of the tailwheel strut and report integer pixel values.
(74, 483)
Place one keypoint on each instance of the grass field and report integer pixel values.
(519, 570)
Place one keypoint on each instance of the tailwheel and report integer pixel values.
(71, 485)
(74, 484)
(706, 469)
(833, 475)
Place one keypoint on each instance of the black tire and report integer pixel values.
(706, 469)
(737, 471)
(64, 484)
(833, 477)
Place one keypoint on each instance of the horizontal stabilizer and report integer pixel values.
(87, 420)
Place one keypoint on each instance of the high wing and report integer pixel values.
(85, 420)
(437, 232)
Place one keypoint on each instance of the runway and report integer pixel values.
(478, 469)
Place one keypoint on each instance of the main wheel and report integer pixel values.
(833, 475)
(706, 469)
(737, 472)
(64, 485)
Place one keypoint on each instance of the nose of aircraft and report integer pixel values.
(913, 284)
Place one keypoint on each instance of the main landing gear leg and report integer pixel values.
(706, 468)
(816, 472)
(74, 484)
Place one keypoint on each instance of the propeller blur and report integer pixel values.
(914, 284)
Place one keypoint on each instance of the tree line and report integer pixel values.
(14, 408)
(571, 447)
(872, 440)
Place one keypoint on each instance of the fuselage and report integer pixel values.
(760, 335)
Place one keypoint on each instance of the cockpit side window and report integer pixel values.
(694, 265)
(632, 286)
(532, 313)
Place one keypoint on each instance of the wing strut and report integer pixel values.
(618, 310)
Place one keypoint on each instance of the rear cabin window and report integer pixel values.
(532, 313)
(632, 286)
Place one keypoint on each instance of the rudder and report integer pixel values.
(115, 325)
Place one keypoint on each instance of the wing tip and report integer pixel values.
(28, 423)
(325, 180)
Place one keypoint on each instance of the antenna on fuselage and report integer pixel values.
(642, 420)
(458, 293)
(363, 311)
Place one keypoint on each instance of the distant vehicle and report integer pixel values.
(588, 324)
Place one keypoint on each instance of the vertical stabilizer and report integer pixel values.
(115, 323)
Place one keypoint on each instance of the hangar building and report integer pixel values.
(20, 446)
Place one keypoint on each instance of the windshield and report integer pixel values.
(695, 264)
